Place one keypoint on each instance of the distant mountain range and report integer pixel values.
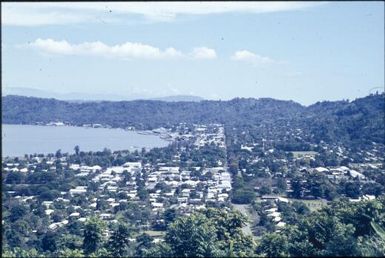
(78, 97)
(178, 98)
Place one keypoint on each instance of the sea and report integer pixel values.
(18, 140)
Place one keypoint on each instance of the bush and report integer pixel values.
(243, 196)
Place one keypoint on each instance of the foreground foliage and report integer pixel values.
(212, 232)
(340, 229)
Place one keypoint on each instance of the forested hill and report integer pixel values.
(359, 119)
(146, 113)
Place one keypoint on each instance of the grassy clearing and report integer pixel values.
(298, 154)
(313, 205)
(155, 233)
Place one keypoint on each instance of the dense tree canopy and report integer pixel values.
(340, 229)
(212, 232)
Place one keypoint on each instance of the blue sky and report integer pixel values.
(304, 52)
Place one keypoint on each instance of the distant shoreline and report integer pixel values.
(83, 139)
(164, 136)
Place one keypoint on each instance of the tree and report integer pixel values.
(77, 149)
(243, 196)
(58, 154)
(144, 243)
(273, 245)
(265, 189)
(71, 253)
(169, 216)
(13, 237)
(339, 229)
(119, 241)
(373, 246)
(15, 178)
(101, 204)
(93, 238)
(352, 189)
(231, 240)
(342, 243)
(48, 242)
(71, 241)
(297, 187)
(48, 195)
(143, 194)
(212, 232)
(192, 236)
(17, 212)
(373, 189)
(281, 184)
(19, 252)
(300, 208)
(159, 250)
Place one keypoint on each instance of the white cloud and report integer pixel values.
(37, 14)
(47, 13)
(127, 50)
(204, 53)
(247, 56)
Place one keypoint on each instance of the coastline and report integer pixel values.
(165, 138)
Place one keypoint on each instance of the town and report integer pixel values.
(105, 191)
(197, 170)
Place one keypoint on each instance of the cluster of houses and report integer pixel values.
(110, 177)
(200, 134)
(365, 197)
(195, 191)
(355, 168)
(32, 164)
(272, 210)
(206, 135)
(338, 173)
(60, 123)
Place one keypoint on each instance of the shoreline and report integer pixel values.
(166, 138)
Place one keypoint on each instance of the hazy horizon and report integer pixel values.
(76, 96)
